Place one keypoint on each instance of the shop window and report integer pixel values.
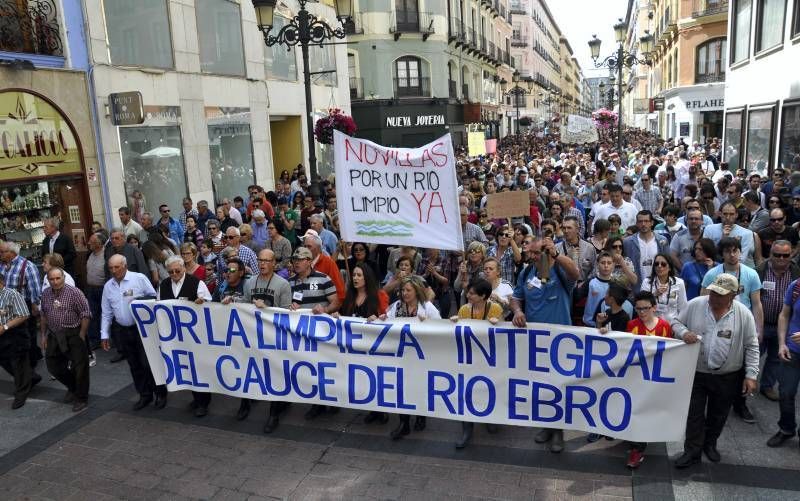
(231, 158)
(790, 137)
(733, 140)
(219, 31)
(769, 23)
(281, 63)
(710, 62)
(742, 15)
(139, 33)
(759, 141)
(323, 61)
(152, 161)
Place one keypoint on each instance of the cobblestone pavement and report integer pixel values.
(111, 452)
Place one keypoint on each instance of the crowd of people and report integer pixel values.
(659, 239)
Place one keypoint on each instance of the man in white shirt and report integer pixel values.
(616, 205)
(129, 226)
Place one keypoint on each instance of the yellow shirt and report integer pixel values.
(495, 311)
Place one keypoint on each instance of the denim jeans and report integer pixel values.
(769, 375)
(788, 379)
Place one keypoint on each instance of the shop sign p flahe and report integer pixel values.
(35, 138)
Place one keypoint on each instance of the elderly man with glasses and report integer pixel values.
(233, 240)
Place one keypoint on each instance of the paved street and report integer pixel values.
(110, 452)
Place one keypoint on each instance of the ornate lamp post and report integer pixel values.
(621, 59)
(518, 92)
(304, 29)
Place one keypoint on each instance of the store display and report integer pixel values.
(23, 210)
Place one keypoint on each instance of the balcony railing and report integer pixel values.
(356, 88)
(406, 21)
(472, 40)
(702, 8)
(452, 87)
(482, 43)
(519, 40)
(353, 25)
(412, 87)
(518, 7)
(709, 77)
(33, 29)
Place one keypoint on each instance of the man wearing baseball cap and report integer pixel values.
(726, 330)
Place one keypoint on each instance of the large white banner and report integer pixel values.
(630, 387)
(579, 130)
(397, 196)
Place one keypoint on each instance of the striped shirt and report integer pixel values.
(30, 286)
(316, 288)
(65, 308)
(12, 305)
(774, 292)
(246, 255)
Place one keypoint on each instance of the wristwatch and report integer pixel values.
(5, 327)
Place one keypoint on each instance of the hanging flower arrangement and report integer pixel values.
(605, 118)
(336, 120)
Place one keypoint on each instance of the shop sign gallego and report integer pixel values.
(35, 139)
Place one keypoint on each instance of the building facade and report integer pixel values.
(420, 69)
(597, 93)
(688, 70)
(762, 95)
(48, 159)
(221, 111)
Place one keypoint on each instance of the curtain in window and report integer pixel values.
(744, 9)
(771, 29)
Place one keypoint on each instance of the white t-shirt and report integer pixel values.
(647, 253)
(627, 213)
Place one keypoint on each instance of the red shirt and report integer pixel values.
(662, 328)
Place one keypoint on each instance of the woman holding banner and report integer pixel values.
(364, 299)
(413, 303)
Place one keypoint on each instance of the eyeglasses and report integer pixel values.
(233, 270)
(781, 255)
(661, 264)
(174, 272)
(476, 251)
(230, 237)
(212, 227)
(265, 260)
(776, 219)
(298, 258)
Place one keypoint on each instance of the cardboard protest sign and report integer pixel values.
(508, 204)
(491, 146)
(628, 387)
(476, 144)
(397, 196)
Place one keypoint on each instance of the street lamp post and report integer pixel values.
(304, 29)
(622, 59)
(518, 92)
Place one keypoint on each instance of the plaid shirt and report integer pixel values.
(472, 233)
(772, 300)
(443, 267)
(649, 198)
(507, 266)
(12, 305)
(574, 211)
(666, 193)
(64, 309)
(29, 286)
(182, 217)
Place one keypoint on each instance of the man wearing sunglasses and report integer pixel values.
(175, 227)
(233, 240)
(778, 230)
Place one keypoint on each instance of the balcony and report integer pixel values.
(412, 87)
(457, 32)
(32, 30)
(407, 21)
(353, 25)
(709, 78)
(702, 8)
(482, 46)
(519, 39)
(356, 88)
(518, 7)
(452, 87)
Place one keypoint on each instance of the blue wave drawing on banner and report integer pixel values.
(384, 228)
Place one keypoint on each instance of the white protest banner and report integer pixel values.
(397, 196)
(629, 387)
(579, 130)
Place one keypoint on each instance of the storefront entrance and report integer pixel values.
(41, 172)
(710, 125)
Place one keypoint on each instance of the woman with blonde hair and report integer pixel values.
(471, 268)
(189, 255)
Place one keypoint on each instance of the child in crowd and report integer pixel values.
(598, 286)
(615, 318)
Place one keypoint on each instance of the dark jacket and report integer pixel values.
(188, 289)
(63, 246)
(135, 259)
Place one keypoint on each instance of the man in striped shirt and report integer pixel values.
(14, 342)
(23, 276)
(64, 324)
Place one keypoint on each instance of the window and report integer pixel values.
(796, 21)
(733, 140)
(790, 137)
(139, 33)
(407, 15)
(759, 141)
(281, 64)
(408, 77)
(769, 29)
(742, 12)
(323, 59)
(152, 161)
(231, 154)
(710, 62)
(219, 29)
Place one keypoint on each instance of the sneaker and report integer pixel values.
(745, 414)
(92, 360)
(778, 439)
(635, 458)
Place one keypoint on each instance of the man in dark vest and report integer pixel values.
(186, 287)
